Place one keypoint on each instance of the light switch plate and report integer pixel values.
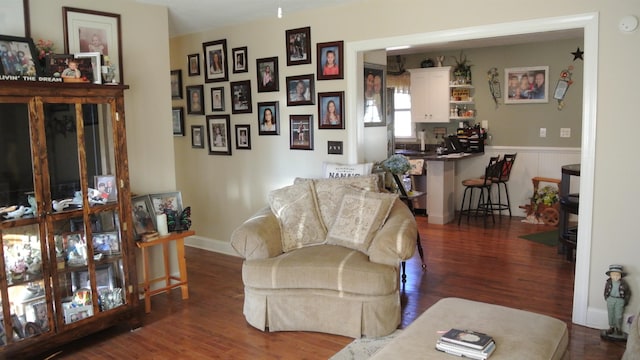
(543, 132)
(565, 132)
(334, 147)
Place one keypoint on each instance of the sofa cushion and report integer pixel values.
(323, 267)
(360, 215)
(297, 212)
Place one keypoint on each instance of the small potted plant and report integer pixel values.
(462, 70)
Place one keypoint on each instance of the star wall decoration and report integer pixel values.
(577, 54)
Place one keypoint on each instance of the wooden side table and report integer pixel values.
(170, 281)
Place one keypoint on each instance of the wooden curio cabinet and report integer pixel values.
(67, 260)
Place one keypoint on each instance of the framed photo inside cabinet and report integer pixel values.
(195, 100)
(241, 95)
(177, 116)
(193, 61)
(526, 85)
(301, 132)
(268, 118)
(243, 137)
(107, 243)
(300, 90)
(94, 31)
(176, 84)
(219, 134)
(75, 249)
(329, 62)
(19, 56)
(197, 136)
(374, 95)
(268, 74)
(215, 61)
(298, 46)
(217, 99)
(143, 219)
(331, 110)
(106, 184)
(240, 60)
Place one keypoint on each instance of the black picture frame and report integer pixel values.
(241, 97)
(304, 83)
(298, 43)
(325, 50)
(177, 117)
(176, 84)
(240, 59)
(11, 63)
(374, 100)
(197, 136)
(274, 108)
(325, 100)
(217, 99)
(219, 134)
(215, 70)
(195, 100)
(56, 63)
(301, 132)
(268, 74)
(193, 64)
(243, 137)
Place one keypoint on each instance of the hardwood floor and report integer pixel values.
(485, 264)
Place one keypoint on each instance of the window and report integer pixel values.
(403, 127)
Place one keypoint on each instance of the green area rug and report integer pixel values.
(362, 349)
(549, 238)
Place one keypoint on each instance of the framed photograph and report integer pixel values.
(75, 249)
(15, 18)
(217, 99)
(106, 184)
(56, 63)
(89, 65)
(301, 128)
(241, 93)
(195, 100)
(107, 243)
(94, 31)
(166, 201)
(219, 134)
(177, 115)
(298, 46)
(19, 56)
(215, 61)
(561, 89)
(176, 84)
(268, 74)
(374, 95)
(331, 110)
(143, 219)
(240, 60)
(197, 136)
(526, 85)
(268, 118)
(193, 61)
(243, 137)
(330, 63)
(300, 90)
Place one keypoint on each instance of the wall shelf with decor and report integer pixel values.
(461, 103)
(68, 249)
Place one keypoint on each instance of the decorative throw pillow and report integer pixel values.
(360, 215)
(297, 212)
(332, 170)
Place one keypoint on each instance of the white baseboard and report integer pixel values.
(223, 247)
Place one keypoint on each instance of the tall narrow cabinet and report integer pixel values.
(430, 95)
(67, 260)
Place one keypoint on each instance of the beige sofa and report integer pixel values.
(324, 256)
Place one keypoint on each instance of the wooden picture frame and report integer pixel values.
(195, 100)
(94, 31)
(176, 84)
(300, 90)
(197, 136)
(15, 18)
(298, 43)
(268, 74)
(193, 64)
(331, 110)
(217, 99)
(165, 201)
(219, 134)
(269, 118)
(215, 61)
(12, 63)
(330, 61)
(240, 60)
(374, 95)
(143, 219)
(177, 117)
(301, 132)
(526, 85)
(243, 137)
(241, 97)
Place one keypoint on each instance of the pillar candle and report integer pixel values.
(161, 221)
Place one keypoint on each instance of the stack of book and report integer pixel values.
(467, 343)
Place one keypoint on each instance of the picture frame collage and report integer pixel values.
(299, 89)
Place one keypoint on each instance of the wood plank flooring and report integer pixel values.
(485, 264)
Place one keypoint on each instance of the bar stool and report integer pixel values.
(483, 183)
(502, 179)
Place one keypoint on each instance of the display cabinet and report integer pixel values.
(430, 95)
(67, 260)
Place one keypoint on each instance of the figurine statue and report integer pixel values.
(616, 294)
(440, 60)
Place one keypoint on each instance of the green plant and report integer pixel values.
(396, 164)
(546, 196)
(462, 66)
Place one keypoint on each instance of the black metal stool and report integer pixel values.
(502, 179)
(484, 206)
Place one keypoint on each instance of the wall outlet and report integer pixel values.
(565, 132)
(543, 132)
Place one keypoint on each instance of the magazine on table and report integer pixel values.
(461, 350)
(469, 338)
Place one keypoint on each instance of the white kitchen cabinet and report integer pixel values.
(430, 95)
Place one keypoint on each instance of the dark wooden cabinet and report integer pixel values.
(67, 261)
